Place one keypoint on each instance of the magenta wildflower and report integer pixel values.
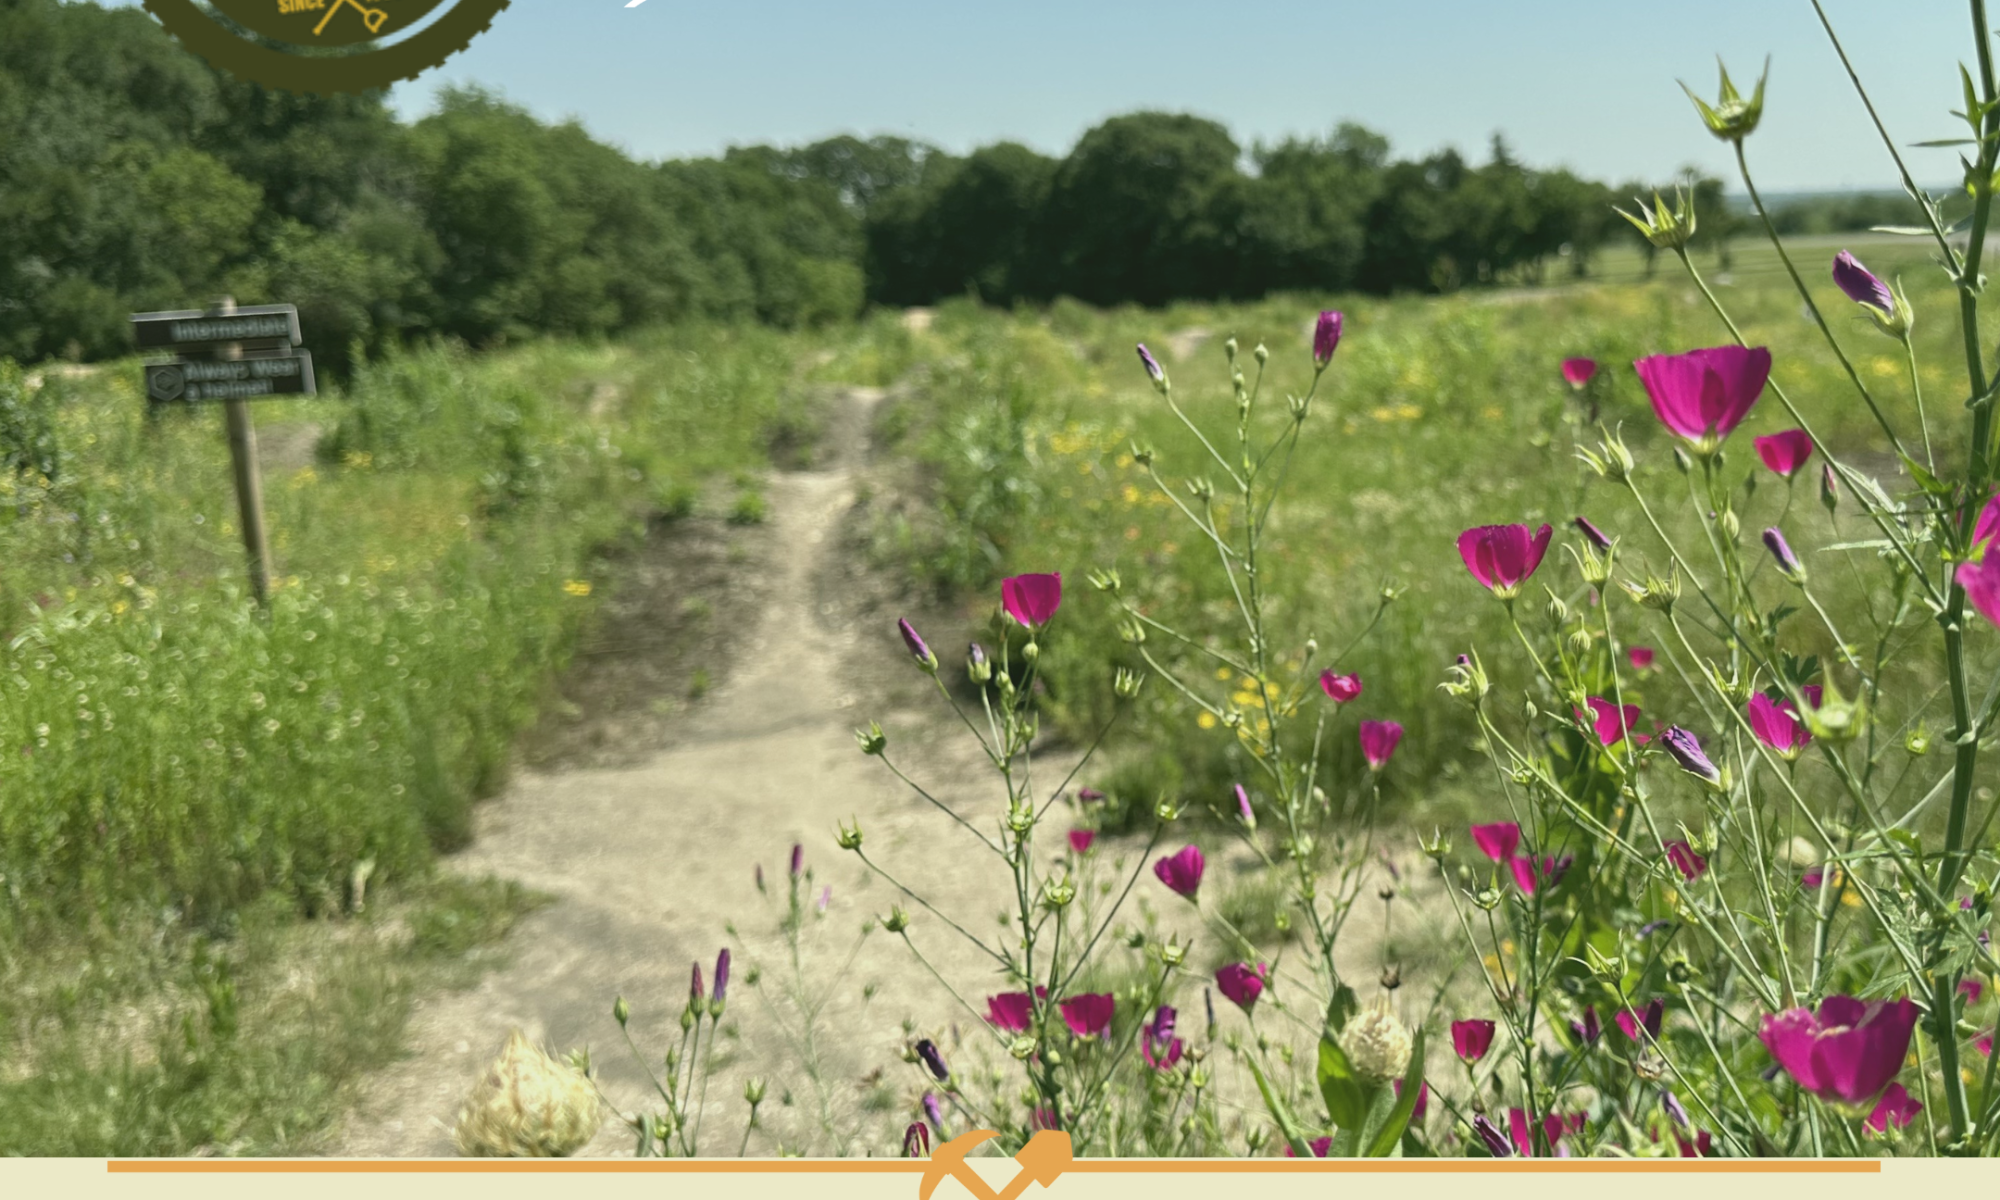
(1984, 1043)
(1986, 529)
(1378, 742)
(1032, 599)
(825, 898)
(1896, 1107)
(1241, 984)
(1641, 658)
(1862, 285)
(1326, 339)
(1045, 1118)
(1530, 876)
(1588, 1030)
(798, 859)
(1089, 1014)
(1692, 866)
(1089, 795)
(721, 992)
(1972, 990)
(1502, 557)
(927, 1051)
(1423, 1103)
(1589, 529)
(1080, 840)
(1319, 1146)
(1776, 724)
(1981, 581)
(1785, 453)
(1497, 841)
(1578, 372)
(1685, 749)
(1339, 688)
(1611, 723)
(917, 1140)
(934, 1111)
(1157, 1043)
(1699, 1148)
(1632, 1021)
(1471, 1039)
(1704, 395)
(918, 650)
(1848, 1051)
(1243, 808)
(1011, 1011)
(1181, 872)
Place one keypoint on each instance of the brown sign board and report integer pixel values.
(250, 325)
(252, 378)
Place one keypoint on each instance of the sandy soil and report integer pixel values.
(649, 849)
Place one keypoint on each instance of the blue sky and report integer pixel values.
(1589, 84)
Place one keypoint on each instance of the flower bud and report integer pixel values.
(1057, 893)
(1557, 611)
(620, 1011)
(926, 661)
(1106, 581)
(898, 919)
(849, 837)
(1829, 494)
(1262, 354)
(871, 740)
(1022, 1048)
(1229, 348)
(1918, 743)
(1887, 307)
(1153, 370)
(1788, 563)
(1125, 683)
(1436, 847)
(977, 668)
(1166, 810)
(1031, 652)
(1666, 228)
(1580, 640)
(1731, 117)
(1132, 632)
(753, 1091)
(1731, 527)
(1200, 488)
(1682, 462)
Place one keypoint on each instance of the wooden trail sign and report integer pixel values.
(211, 364)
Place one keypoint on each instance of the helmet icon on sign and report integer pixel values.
(165, 382)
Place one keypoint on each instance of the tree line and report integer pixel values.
(133, 176)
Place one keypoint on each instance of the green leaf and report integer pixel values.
(1398, 1119)
(1901, 230)
(1941, 142)
(1925, 480)
(1907, 840)
(1346, 1098)
(1340, 1008)
(1287, 1124)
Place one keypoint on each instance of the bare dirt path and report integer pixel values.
(647, 862)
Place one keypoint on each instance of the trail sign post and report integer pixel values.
(232, 355)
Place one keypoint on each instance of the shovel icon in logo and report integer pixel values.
(1042, 1160)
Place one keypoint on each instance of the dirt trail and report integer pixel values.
(647, 863)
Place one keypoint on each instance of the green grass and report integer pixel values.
(196, 787)
(151, 1039)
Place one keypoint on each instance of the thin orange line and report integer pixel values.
(797, 1166)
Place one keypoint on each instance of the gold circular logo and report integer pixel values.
(325, 45)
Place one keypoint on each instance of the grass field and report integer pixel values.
(188, 778)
